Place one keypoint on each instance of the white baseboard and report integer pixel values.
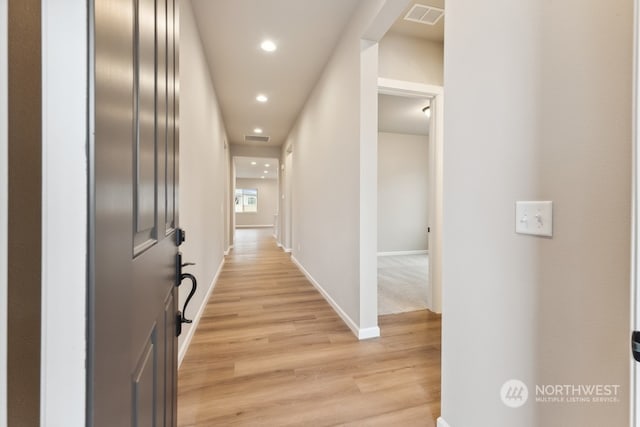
(398, 253)
(255, 226)
(228, 250)
(182, 351)
(287, 250)
(442, 422)
(368, 333)
(362, 334)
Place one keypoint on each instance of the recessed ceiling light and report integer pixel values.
(253, 163)
(257, 130)
(268, 46)
(262, 98)
(266, 165)
(262, 177)
(266, 171)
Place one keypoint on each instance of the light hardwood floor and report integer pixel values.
(270, 351)
(403, 283)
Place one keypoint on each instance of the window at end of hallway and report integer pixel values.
(246, 200)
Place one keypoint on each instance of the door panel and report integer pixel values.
(171, 353)
(133, 294)
(143, 386)
(171, 145)
(144, 95)
(161, 110)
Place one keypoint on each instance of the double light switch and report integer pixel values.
(535, 218)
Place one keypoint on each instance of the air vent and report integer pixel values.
(256, 138)
(424, 14)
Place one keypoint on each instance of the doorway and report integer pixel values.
(255, 198)
(415, 96)
(403, 203)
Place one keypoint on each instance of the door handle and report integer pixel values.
(179, 266)
(194, 286)
(180, 277)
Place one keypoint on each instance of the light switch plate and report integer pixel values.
(535, 218)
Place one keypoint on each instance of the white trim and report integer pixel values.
(191, 329)
(442, 422)
(64, 202)
(287, 250)
(369, 333)
(368, 197)
(399, 253)
(228, 251)
(408, 89)
(255, 226)
(362, 334)
(3, 208)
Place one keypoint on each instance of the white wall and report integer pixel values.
(203, 167)
(334, 193)
(267, 202)
(403, 188)
(522, 80)
(286, 203)
(64, 225)
(326, 190)
(3, 210)
(410, 59)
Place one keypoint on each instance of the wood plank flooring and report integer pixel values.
(403, 283)
(269, 351)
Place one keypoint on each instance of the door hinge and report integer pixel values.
(178, 323)
(635, 345)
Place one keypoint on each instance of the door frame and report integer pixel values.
(65, 136)
(436, 94)
(634, 394)
(4, 23)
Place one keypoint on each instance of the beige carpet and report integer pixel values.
(403, 283)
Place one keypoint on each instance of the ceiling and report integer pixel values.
(423, 31)
(399, 114)
(305, 32)
(245, 168)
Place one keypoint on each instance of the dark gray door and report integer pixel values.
(133, 212)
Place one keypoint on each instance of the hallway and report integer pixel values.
(270, 351)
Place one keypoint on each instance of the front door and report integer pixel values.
(133, 214)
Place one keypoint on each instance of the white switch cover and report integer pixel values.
(534, 218)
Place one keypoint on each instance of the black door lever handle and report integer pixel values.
(180, 276)
(178, 268)
(194, 286)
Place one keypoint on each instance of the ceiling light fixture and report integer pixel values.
(268, 46)
(266, 165)
(262, 177)
(427, 111)
(253, 163)
(266, 171)
(257, 130)
(262, 98)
